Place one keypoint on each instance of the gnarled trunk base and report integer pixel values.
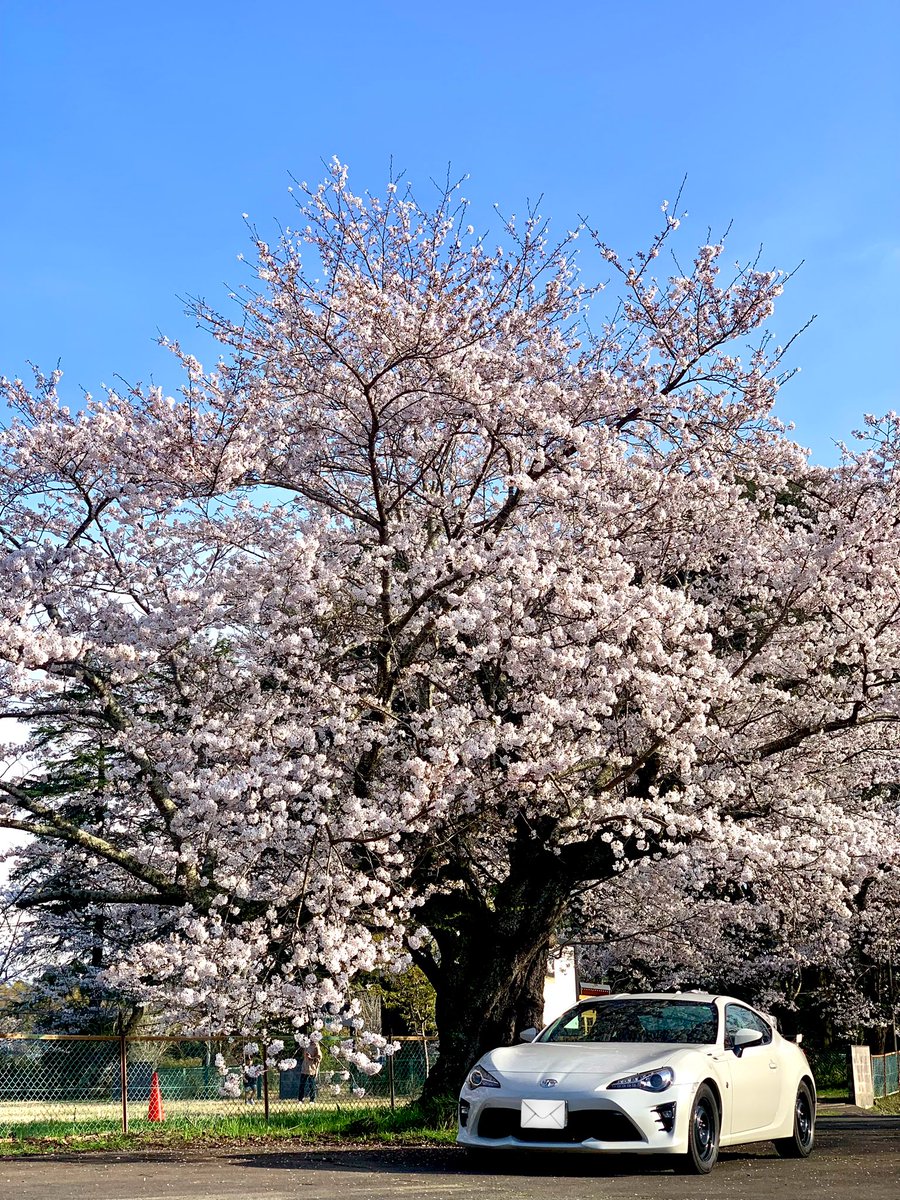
(485, 1001)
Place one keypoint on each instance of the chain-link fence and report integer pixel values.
(830, 1069)
(885, 1074)
(110, 1083)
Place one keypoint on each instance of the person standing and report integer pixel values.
(252, 1079)
(309, 1070)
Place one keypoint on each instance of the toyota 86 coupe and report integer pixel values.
(677, 1075)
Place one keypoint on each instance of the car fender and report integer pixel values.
(796, 1068)
(712, 1069)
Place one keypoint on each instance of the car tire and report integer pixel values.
(704, 1127)
(800, 1143)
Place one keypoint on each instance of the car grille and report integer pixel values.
(600, 1124)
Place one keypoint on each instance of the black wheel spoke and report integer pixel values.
(703, 1125)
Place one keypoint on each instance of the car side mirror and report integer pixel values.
(528, 1035)
(741, 1038)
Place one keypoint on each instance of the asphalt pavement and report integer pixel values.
(857, 1158)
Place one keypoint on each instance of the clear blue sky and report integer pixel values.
(135, 135)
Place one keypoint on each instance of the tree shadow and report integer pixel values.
(454, 1161)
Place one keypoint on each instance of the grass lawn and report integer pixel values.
(309, 1126)
(889, 1105)
(839, 1094)
(26, 1116)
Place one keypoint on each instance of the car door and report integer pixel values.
(755, 1074)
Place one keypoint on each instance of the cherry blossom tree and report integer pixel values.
(814, 946)
(432, 607)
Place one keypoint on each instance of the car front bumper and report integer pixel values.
(631, 1122)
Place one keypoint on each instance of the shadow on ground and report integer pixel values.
(457, 1162)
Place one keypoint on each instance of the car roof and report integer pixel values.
(700, 997)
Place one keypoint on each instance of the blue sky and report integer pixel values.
(134, 136)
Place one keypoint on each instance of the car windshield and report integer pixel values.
(690, 1022)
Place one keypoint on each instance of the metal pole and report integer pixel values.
(123, 1074)
(391, 1078)
(265, 1063)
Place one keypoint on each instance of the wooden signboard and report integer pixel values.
(861, 1084)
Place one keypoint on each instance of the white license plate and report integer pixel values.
(544, 1114)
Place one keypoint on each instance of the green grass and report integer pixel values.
(833, 1093)
(889, 1105)
(408, 1125)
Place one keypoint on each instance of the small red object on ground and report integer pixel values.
(155, 1112)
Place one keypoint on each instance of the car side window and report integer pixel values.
(737, 1017)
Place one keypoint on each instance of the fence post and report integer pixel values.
(265, 1063)
(390, 1059)
(123, 1074)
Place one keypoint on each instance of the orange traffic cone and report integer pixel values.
(155, 1112)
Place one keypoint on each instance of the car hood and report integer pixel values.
(610, 1060)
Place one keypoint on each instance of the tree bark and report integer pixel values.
(490, 970)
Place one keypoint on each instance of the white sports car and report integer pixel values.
(679, 1074)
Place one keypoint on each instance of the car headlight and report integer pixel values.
(648, 1081)
(480, 1077)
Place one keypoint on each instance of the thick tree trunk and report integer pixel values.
(486, 1006)
(490, 977)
